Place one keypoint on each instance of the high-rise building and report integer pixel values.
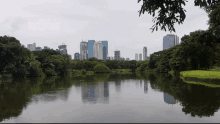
(136, 57)
(90, 48)
(98, 50)
(127, 59)
(105, 49)
(76, 56)
(62, 49)
(38, 48)
(83, 50)
(117, 55)
(140, 56)
(170, 40)
(46, 47)
(144, 53)
(31, 47)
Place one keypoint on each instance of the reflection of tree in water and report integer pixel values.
(16, 96)
(95, 93)
(140, 83)
(196, 100)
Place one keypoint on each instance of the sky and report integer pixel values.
(53, 22)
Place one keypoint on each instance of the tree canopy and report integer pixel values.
(169, 10)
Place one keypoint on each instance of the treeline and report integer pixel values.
(18, 61)
(199, 50)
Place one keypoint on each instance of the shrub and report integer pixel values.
(101, 68)
(83, 71)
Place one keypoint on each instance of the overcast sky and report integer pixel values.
(53, 22)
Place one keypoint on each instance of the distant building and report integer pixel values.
(63, 49)
(31, 47)
(136, 57)
(90, 48)
(46, 47)
(140, 57)
(83, 50)
(117, 55)
(105, 49)
(76, 56)
(144, 53)
(98, 50)
(127, 59)
(38, 48)
(170, 40)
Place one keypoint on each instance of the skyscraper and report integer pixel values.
(136, 57)
(140, 57)
(84, 50)
(105, 49)
(117, 55)
(98, 50)
(31, 47)
(76, 56)
(144, 53)
(90, 48)
(170, 40)
(62, 49)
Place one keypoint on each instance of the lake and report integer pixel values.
(109, 98)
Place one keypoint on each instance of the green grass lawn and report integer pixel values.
(201, 74)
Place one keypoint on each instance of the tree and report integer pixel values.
(101, 68)
(169, 9)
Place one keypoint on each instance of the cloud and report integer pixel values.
(13, 24)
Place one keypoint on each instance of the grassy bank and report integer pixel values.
(201, 74)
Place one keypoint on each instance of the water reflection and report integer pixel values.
(145, 87)
(132, 105)
(96, 93)
(169, 99)
(118, 86)
(140, 83)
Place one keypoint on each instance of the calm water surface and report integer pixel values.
(108, 98)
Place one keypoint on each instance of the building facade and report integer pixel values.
(140, 57)
(63, 49)
(98, 50)
(117, 55)
(127, 59)
(144, 53)
(31, 47)
(83, 50)
(105, 49)
(90, 48)
(170, 40)
(76, 56)
(46, 47)
(136, 57)
(38, 48)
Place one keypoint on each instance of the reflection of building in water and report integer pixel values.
(95, 93)
(145, 87)
(118, 85)
(140, 83)
(51, 96)
(137, 83)
(169, 99)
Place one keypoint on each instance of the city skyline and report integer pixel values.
(69, 22)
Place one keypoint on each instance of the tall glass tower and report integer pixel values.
(90, 48)
(144, 53)
(105, 49)
(170, 40)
